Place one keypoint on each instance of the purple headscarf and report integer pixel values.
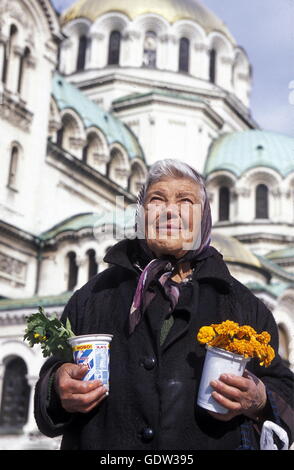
(162, 268)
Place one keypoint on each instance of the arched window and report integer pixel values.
(15, 396)
(224, 204)
(72, 271)
(5, 63)
(114, 48)
(261, 202)
(93, 265)
(184, 55)
(212, 65)
(22, 65)
(13, 168)
(69, 134)
(136, 179)
(82, 50)
(93, 153)
(8, 52)
(116, 168)
(150, 48)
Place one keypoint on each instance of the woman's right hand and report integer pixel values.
(76, 395)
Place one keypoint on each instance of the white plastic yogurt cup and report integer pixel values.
(93, 351)
(218, 362)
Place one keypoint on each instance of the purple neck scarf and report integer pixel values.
(162, 269)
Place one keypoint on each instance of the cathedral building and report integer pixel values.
(89, 99)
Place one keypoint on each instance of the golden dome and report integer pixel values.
(234, 251)
(171, 10)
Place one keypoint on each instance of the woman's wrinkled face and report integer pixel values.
(172, 210)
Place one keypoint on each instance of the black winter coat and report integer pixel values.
(153, 388)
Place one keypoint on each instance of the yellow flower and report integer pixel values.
(226, 328)
(242, 347)
(270, 355)
(220, 341)
(40, 338)
(246, 331)
(242, 340)
(206, 334)
(263, 337)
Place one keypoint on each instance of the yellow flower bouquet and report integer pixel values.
(229, 348)
(242, 340)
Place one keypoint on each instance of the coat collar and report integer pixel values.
(210, 266)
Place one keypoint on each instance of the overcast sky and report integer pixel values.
(265, 29)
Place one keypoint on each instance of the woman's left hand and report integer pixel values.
(240, 395)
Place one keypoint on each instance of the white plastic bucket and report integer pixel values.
(218, 362)
(93, 351)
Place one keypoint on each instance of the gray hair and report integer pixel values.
(170, 168)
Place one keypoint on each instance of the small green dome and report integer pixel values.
(238, 152)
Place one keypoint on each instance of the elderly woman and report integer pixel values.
(161, 288)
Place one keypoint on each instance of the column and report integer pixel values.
(65, 56)
(13, 68)
(26, 93)
(82, 263)
(31, 425)
(97, 57)
(224, 75)
(2, 53)
(275, 205)
(168, 52)
(130, 52)
(199, 60)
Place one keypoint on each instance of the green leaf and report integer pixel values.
(56, 334)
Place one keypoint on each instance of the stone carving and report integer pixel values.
(14, 111)
(12, 267)
(15, 11)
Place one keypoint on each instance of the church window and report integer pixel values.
(93, 265)
(72, 271)
(114, 48)
(5, 63)
(93, 153)
(15, 396)
(82, 50)
(224, 203)
(8, 52)
(116, 168)
(184, 55)
(13, 168)
(212, 66)
(136, 179)
(150, 48)
(261, 202)
(22, 66)
(68, 132)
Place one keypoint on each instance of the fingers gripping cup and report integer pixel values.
(217, 362)
(93, 351)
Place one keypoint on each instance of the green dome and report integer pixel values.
(238, 152)
(115, 131)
